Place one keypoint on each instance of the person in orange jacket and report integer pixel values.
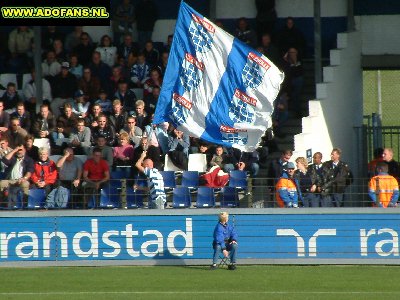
(383, 188)
(287, 188)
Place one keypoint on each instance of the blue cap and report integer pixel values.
(290, 165)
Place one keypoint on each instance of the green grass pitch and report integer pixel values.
(198, 282)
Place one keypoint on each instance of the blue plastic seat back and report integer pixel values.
(205, 197)
(169, 179)
(36, 198)
(190, 179)
(238, 179)
(134, 198)
(229, 197)
(109, 198)
(181, 197)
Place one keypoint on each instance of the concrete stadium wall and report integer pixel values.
(184, 237)
(337, 108)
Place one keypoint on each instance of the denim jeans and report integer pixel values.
(232, 248)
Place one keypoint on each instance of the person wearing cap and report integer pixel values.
(287, 188)
(225, 241)
(64, 87)
(126, 96)
(80, 107)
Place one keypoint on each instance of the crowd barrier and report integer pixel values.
(184, 237)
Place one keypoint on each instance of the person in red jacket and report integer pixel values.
(45, 171)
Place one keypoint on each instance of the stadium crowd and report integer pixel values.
(91, 108)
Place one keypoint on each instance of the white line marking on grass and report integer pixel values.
(195, 292)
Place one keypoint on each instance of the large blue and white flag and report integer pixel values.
(216, 87)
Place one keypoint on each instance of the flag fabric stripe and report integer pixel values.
(216, 87)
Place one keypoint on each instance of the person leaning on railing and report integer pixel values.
(383, 188)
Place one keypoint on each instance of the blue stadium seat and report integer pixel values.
(115, 178)
(190, 179)
(134, 198)
(205, 197)
(181, 197)
(109, 198)
(36, 198)
(238, 179)
(169, 179)
(229, 197)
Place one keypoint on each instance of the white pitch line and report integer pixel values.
(195, 292)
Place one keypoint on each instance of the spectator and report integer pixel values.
(113, 81)
(394, 169)
(123, 153)
(294, 74)
(378, 157)
(106, 151)
(269, 49)
(118, 116)
(291, 37)
(225, 241)
(44, 124)
(45, 172)
(287, 188)
(18, 173)
(31, 150)
(125, 16)
(84, 49)
(218, 158)
(58, 49)
(105, 103)
(152, 55)
(146, 17)
(168, 45)
(29, 91)
(49, 35)
(336, 176)
(16, 134)
(73, 39)
(64, 87)
(50, 66)
(105, 130)
(152, 153)
(243, 161)
(128, 50)
(133, 131)
(99, 69)
(19, 43)
(96, 175)
(315, 170)
(205, 148)
(126, 96)
(23, 116)
(80, 138)
(304, 179)
(154, 80)
(89, 85)
(92, 118)
(245, 33)
(10, 98)
(266, 16)
(65, 125)
(108, 52)
(4, 119)
(179, 145)
(4, 150)
(383, 188)
(151, 100)
(80, 107)
(162, 64)
(278, 166)
(281, 112)
(70, 174)
(155, 181)
(75, 67)
(140, 71)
